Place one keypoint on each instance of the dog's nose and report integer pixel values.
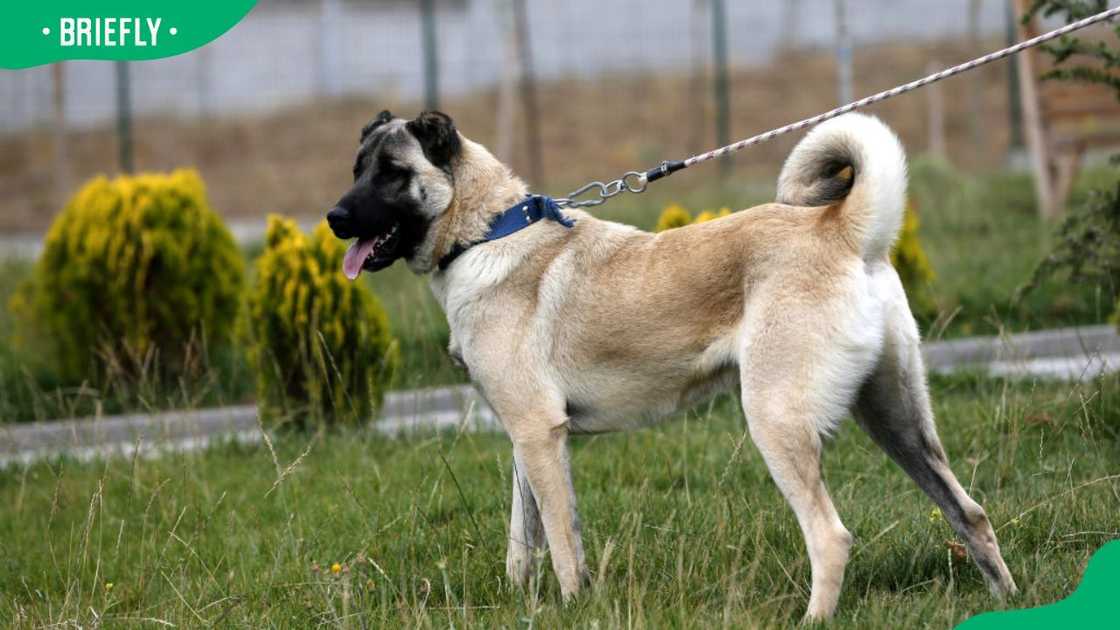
(339, 220)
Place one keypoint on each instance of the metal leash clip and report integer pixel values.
(632, 181)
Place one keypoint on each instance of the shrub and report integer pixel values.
(1077, 60)
(910, 261)
(1086, 249)
(320, 344)
(673, 216)
(138, 278)
(1087, 245)
(710, 215)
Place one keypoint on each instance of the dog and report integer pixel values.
(578, 325)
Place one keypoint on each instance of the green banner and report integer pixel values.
(38, 32)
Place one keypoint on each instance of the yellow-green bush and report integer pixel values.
(912, 264)
(675, 216)
(711, 215)
(320, 344)
(137, 275)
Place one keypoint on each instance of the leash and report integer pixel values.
(637, 181)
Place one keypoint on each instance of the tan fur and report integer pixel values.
(483, 186)
(603, 327)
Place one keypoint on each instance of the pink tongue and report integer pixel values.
(356, 257)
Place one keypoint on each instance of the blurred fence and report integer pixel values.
(286, 53)
(269, 111)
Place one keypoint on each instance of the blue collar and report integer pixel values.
(513, 219)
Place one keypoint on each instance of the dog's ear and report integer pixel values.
(382, 118)
(437, 135)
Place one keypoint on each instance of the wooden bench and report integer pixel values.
(1062, 119)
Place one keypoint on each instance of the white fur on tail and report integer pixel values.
(877, 197)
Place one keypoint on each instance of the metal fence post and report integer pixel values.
(843, 55)
(935, 101)
(1014, 105)
(431, 54)
(976, 82)
(124, 115)
(329, 18)
(723, 105)
(698, 75)
(58, 101)
(507, 82)
(528, 91)
(790, 25)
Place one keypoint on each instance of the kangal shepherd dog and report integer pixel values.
(597, 326)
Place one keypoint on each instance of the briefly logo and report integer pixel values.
(34, 33)
(110, 31)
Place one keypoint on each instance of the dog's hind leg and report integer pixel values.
(526, 531)
(786, 434)
(792, 450)
(894, 408)
(800, 368)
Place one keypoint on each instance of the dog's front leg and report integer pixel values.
(526, 531)
(544, 456)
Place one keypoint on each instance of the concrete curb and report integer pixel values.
(439, 408)
(1060, 342)
(1070, 353)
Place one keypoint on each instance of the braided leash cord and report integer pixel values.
(636, 181)
(913, 85)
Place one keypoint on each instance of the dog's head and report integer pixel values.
(403, 181)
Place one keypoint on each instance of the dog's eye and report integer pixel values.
(393, 170)
(358, 168)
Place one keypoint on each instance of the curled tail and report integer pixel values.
(857, 161)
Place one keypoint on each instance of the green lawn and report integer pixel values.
(682, 528)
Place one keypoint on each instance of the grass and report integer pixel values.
(682, 526)
(984, 239)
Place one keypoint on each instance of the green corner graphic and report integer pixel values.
(1093, 604)
(35, 33)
